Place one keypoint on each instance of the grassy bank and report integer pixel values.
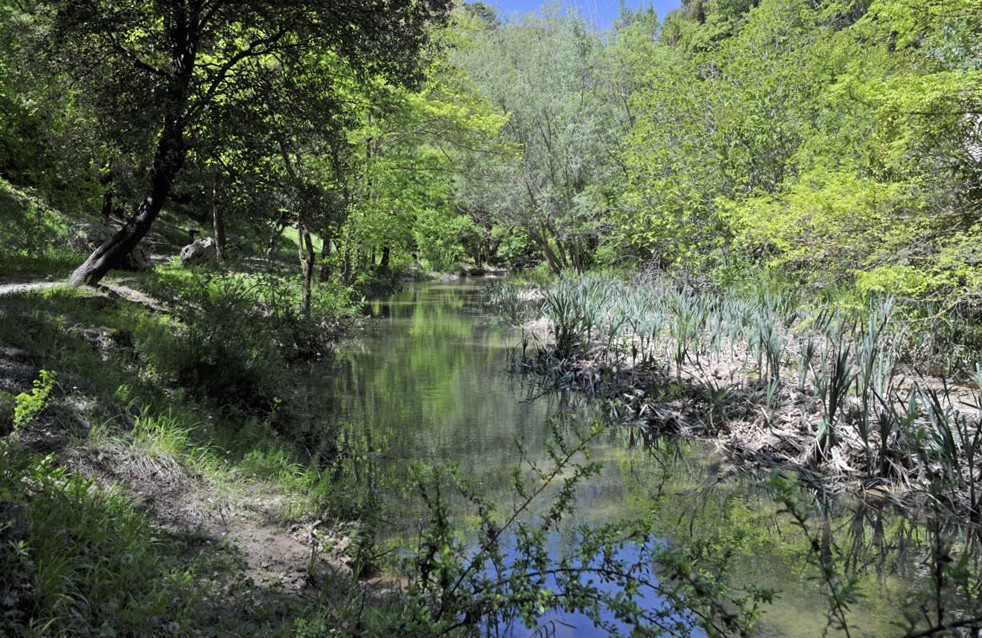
(155, 445)
(165, 461)
(172, 467)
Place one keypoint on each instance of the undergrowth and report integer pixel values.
(211, 390)
(34, 239)
(79, 561)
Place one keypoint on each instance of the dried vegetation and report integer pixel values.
(830, 393)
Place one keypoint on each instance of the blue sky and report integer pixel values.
(598, 12)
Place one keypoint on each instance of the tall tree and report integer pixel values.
(542, 74)
(175, 58)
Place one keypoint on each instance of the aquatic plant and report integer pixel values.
(703, 350)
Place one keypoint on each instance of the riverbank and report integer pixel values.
(190, 435)
(156, 479)
(851, 398)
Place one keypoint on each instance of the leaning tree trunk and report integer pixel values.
(167, 163)
(168, 158)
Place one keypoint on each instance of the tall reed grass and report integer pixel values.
(866, 414)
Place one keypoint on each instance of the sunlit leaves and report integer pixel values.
(542, 74)
(839, 140)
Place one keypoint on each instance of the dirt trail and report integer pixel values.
(16, 288)
(116, 290)
(244, 519)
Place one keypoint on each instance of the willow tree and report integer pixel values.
(542, 74)
(175, 59)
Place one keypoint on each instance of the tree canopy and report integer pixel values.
(834, 141)
(162, 67)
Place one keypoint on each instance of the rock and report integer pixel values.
(199, 252)
(90, 236)
(106, 339)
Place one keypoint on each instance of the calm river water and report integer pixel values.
(428, 383)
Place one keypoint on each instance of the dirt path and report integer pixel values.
(112, 290)
(13, 289)
(244, 518)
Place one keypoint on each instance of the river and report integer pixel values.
(428, 384)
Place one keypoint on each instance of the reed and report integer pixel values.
(875, 363)
(847, 364)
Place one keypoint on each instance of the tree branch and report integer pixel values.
(258, 47)
(134, 58)
(973, 623)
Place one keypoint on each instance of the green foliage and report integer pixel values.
(238, 330)
(543, 74)
(28, 405)
(407, 155)
(33, 237)
(832, 140)
(667, 213)
(46, 138)
(505, 572)
(77, 560)
(441, 239)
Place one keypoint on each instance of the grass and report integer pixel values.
(722, 363)
(80, 560)
(200, 400)
(34, 239)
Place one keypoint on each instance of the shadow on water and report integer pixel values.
(428, 385)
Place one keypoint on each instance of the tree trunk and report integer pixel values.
(384, 263)
(168, 158)
(307, 259)
(217, 218)
(278, 227)
(326, 249)
(107, 181)
(347, 276)
(167, 163)
(541, 238)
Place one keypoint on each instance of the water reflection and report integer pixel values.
(429, 383)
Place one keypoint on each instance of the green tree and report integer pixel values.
(406, 154)
(542, 74)
(883, 188)
(178, 57)
(47, 138)
(667, 214)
